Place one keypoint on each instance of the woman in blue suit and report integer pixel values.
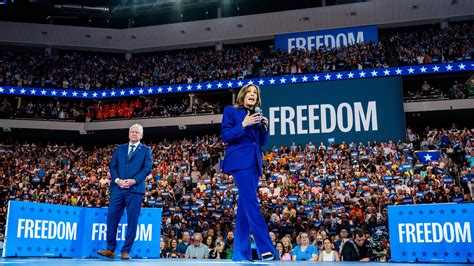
(246, 132)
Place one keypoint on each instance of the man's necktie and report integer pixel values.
(132, 148)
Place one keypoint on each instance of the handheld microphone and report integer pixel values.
(259, 111)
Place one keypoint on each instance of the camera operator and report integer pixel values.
(356, 249)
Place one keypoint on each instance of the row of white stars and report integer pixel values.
(230, 84)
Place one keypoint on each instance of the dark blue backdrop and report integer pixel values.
(353, 110)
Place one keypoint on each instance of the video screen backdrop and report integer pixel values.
(350, 110)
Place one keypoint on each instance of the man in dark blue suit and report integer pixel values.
(131, 163)
(246, 132)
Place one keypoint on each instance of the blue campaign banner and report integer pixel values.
(51, 230)
(313, 40)
(432, 233)
(355, 110)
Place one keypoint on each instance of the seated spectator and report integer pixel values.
(197, 250)
(164, 247)
(282, 251)
(328, 253)
(183, 244)
(305, 251)
(218, 251)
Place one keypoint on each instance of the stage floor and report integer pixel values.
(175, 262)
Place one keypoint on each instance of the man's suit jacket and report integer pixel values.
(137, 167)
(243, 145)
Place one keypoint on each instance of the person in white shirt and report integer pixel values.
(328, 253)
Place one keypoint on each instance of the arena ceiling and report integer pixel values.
(121, 14)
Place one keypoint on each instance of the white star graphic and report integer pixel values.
(328, 77)
(250, 82)
(150, 90)
(219, 85)
(374, 73)
(170, 89)
(22, 91)
(350, 75)
(362, 74)
(199, 86)
(386, 72)
(316, 77)
(428, 157)
(140, 91)
(112, 93)
(398, 71)
(43, 92)
(104, 94)
(189, 87)
(64, 93)
(423, 69)
(94, 94)
(33, 92)
(240, 83)
(304, 78)
(122, 92)
(411, 70)
(229, 84)
(209, 85)
(131, 92)
(74, 93)
(85, 94)
(260, 82)
(436, 68)
(12, 90)
(462, 66)
(293, 79)
(160, 89)
(282, 80)
(53, 93)
(449, 67)
(1, 89)
(179, 88)
(339, 76)
(272, 81)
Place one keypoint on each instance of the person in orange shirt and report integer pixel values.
(112, 113)
(357, 211)
(99, 115)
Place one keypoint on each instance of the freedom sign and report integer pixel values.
(348, 110)
(313, 40)
(432, 232)
(51, 230)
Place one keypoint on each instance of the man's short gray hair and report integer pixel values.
(140, 128)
